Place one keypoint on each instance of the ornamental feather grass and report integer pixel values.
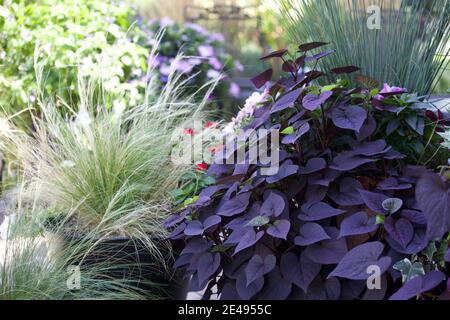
(34, 265)
(410, 48)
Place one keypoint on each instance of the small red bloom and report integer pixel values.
(189, 131)
(210, 124)
(202, 166)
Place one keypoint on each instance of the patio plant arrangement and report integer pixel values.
(358, 189)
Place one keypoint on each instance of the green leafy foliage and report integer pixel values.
(88, 37)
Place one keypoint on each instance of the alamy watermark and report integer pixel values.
(73, 281)
(374, 18)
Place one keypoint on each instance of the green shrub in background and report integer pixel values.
(95, 38)
(408, 50)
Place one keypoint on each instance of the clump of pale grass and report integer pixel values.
(35, 265)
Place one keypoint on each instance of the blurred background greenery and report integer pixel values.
(110, 41)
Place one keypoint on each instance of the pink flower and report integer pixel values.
(205, 50)
(210, 124)
(166, 21)
(238, 66)
(217, 37)
(188, 131)
(388, 89)
(212, 74)
(215, 63)
(235, 90)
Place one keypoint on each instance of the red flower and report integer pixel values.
(210, 124)
(189, 131)
(202, 166)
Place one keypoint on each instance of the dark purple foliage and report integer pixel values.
(311, 101)
(418, 285)
(348, 69)
(262, 78)
(433, 198)
(310, 46)
(354, 264)
(342, 200)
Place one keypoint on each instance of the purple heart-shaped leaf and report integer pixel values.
(347, 161)
(279, 229)
(245, 291)
(300, 272)
(418, 285)
(373, 200)
(286, 101)
(235, 205)
(355, 263)
(358, 223)
(313, 165)
(311, 101)
(276, 287)
(318, 211)
(310, 233)
(207, 265)
(259, 266)
(310, 46)
(286, 169)
(273, 205)
(249, 238)
(319, 56)
(401, 230)
(194, 228)
(275, 54)
(345, 70)
(262, 78)
(348, 117)
(327, 251)
(433, 198)
(347, 194)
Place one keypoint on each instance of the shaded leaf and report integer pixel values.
(311, 101)
(259, 266)
(310, 46)
(279, 229)
(419, 285)
(286, 101)
(432, 194)
(348, 117)
(275, 54)
(345, 70)
(310, 233)
(358, 223)
(355, 263)
(300, 272)
(262, 78)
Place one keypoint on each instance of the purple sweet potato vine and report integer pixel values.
(348, 195)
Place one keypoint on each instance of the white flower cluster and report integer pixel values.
(251, 104)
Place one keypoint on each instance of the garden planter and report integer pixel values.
(130, 259)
